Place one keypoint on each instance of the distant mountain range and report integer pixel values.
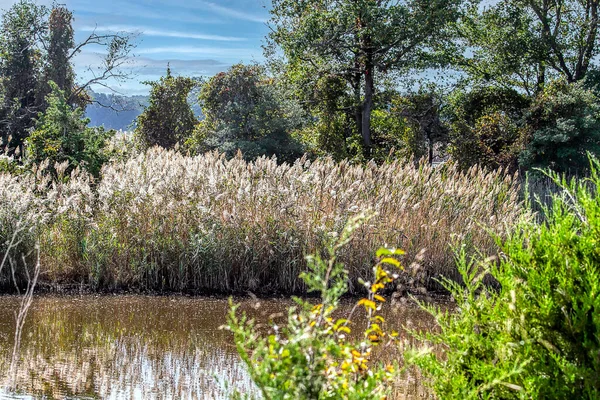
(119, 112)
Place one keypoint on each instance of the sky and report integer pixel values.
(197, 38)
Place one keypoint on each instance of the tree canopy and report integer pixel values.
(356, 43)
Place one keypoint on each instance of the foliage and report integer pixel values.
(37, 46)
(563, 125)
(20, 64)
(332, 130)
(426, 133)
(246, 110)
(168, 120)
(61, 135)
(485, 127)
(61, 43)
(312, 357)
(354, 44)
(525, 44)
(537, 335)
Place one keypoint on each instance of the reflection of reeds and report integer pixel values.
(163, 220)
(26, 299)
(157, 347)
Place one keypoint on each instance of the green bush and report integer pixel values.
(563, 124)
(246, 110)
(484, 126)
(537, 336)
(313, 357)
(61, 135)
(169, 119)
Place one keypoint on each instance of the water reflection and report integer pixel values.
(138, 347)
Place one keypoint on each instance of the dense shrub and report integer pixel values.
(537, 336)
(246, 110)
(313, 356)
(485, 127)
(168, 120)
(563, 124)
(61, 135)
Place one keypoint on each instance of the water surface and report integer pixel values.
(141, 347)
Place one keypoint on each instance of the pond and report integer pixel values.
(142, 347)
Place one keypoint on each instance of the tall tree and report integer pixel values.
(60, 45)
(358, 41)
(23, 27)
(37, 47)
(245, 110)
(527, 43)
(169, 119)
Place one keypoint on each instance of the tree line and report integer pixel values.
(512, 84)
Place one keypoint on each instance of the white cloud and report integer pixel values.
(141, 11)
(218, 9)
(159, 32)
(241, 53)
(230, 12)
(144, 68)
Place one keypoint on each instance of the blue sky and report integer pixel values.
(198, 38)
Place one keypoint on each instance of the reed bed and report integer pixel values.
(166, 221)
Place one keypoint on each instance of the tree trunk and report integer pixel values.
(430, 149)
(587, 52)
(541, 78)
(367, 107)
(357, 99)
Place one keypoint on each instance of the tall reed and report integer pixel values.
(163, 220)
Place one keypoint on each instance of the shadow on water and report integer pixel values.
(141, 347)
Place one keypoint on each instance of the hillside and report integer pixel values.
(114, 111)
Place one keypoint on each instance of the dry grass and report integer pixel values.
(163, 220)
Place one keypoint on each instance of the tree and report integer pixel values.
(61, 134)
(563, 125)
(23, 26)
(60, 43)
(526, 43)
(37, 46)
(485, 126)
(356, 41)
(246, 110)
(422, 111)
(168, 119)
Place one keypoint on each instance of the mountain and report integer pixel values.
(120, 112)
(114, 111)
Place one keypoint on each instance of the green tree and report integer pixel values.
(36, 47)
(60, 44)
(246, 110)
(526, 43)
(61, 134)
(23, 26)
(563, 124)
(168, 120)
(427, 132)
(485, 126)
(357, 42)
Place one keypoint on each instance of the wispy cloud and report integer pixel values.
(231, 12)
(242, 53)
(131, 9)
(218, 9)
(144, 68)
(160, 32)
